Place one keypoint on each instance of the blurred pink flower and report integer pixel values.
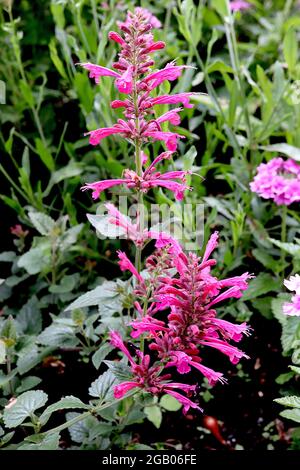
(292, 308)
(278, 180)
(239, 5)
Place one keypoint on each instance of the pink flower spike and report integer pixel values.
(97, 71)
(100, 186)
(124, 83)
(117, 341)
(126, 264)
(121, 389)
(183, 98)
(148, 17)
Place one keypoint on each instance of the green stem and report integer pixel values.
(8, 366)
(283, 236)
(235, 62)
(212, 93)
(84, 415)
(17, 52)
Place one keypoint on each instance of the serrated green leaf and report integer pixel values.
(50, 442)
(119, 369)
(28, 383)
(286, 149)
(290, 248)
(2, 351)
(284, 378)
(107, 290)
(7, 256)
(42, 222)
(154, 415)
(24, 407)
(64, 403)
(101, 354)
(169, 403)
(292, 401)
(29, 318)
(261, 285)
(295, 369)
(294, 414)
(60, 335)
(36, 259)
(102, 387)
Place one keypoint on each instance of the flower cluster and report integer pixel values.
(293, 308)
(134, 78)
(174, 302)
(278, 180)
(183, 298)
(149, 178)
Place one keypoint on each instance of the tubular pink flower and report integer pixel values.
(117, 341)
(170, 138)
(156, 46)
(177, 188)
(212, 376)
(97, 71)
(234, 291)
(211, 246)
(170, 73)
(100, 186)
(231, 330)
(186, 402)
(183, 98)
(147, 324)
(239, 281)
(99, 134)
(171, 116)
(232, 352)
(116, 37)
(125, 264)
(121, 389)
(125, 83)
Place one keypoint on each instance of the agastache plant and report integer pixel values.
(174, 304)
